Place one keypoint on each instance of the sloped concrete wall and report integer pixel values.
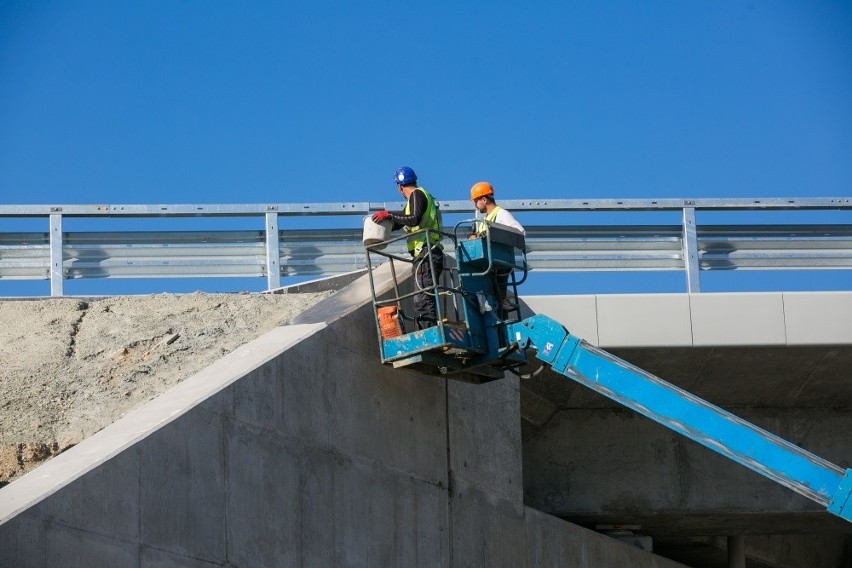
(301, 450)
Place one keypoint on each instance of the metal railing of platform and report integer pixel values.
(277, 251)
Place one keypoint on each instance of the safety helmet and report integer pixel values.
(479, 189)
(405, 176)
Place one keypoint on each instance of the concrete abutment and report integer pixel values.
(301, 449)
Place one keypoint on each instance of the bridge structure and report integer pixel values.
(533, 470)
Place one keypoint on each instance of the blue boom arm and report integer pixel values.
(686, 414)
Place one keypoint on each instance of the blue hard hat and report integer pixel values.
(405, 176)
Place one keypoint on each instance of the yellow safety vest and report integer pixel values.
(431, 220)
(491, 218)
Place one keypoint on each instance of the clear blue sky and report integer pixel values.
(226, 102)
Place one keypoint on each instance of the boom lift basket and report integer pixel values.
(469, 341)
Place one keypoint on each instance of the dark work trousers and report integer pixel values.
(501, 291)
(425, 300)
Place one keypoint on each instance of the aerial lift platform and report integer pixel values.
(480, 336)
(469, 343)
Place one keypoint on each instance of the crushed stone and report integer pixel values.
(70, 367)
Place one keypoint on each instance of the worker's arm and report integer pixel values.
(417, 205)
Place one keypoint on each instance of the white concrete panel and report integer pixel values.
(578, 314)
(737, 319)
(818, 318)
(644, 320)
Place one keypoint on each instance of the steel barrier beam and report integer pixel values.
(332, 251)
(276, 251)
(455, 206)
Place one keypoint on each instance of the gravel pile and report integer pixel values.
(68, 367)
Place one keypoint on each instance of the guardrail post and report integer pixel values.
(690, 250)
(273, 255)
(56, 269)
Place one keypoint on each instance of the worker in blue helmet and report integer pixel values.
(421, 212)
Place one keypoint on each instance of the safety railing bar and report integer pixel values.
(449, 206)
(533, 232)
(536, 265)
(666, 204)
(187, 210)
(808, 246)
(577, 246)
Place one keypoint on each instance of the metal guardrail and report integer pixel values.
(277, 252)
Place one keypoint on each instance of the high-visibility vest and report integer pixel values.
(431, 220)
(491, 218)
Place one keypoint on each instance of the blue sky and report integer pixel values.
(225, 102)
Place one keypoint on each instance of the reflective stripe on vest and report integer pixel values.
(491, 218)
(431, 220)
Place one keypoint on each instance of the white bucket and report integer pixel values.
(375, 233)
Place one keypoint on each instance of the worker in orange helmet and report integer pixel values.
(482, 195)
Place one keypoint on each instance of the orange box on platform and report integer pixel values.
(389, 322)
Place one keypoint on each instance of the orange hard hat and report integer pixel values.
(479, 189)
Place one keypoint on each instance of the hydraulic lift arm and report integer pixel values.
(685, 413)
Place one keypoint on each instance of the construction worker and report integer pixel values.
(482, 195)
(421, 212)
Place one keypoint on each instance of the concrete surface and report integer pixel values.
(300, 449)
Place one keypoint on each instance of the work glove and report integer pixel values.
(380, 216)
